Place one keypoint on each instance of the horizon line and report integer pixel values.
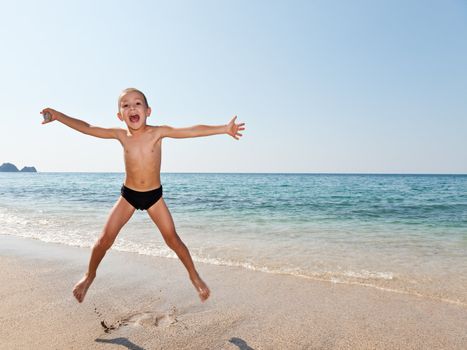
(259, 173)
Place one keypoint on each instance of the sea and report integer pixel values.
(397, 233)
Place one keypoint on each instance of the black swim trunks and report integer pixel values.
(141, 200)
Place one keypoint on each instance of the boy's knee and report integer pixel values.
(173, 241)
(104, 243)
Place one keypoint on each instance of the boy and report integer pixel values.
(142, 186)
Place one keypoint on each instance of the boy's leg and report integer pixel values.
(161, 216)
(119, 216)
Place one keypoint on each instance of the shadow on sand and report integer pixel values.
(121, 341)
(242, 345)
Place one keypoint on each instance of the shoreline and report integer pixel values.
(151, 304)
(332, 279)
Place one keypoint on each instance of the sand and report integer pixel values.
(141, 302)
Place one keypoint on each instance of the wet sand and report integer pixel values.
(142, 302)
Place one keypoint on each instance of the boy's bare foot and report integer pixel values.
(201, 287)
(80, 289)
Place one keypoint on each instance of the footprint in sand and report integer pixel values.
(145, 319)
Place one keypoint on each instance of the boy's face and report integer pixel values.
(133, 110)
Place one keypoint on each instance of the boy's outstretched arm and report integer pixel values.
(80, 125)
(231, 129)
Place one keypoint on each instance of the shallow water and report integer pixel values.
(401, 233)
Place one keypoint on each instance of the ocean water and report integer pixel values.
(398, 233)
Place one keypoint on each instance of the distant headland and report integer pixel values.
(11, 168)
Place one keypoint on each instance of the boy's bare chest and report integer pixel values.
(142, 150)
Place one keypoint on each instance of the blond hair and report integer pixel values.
(124, 92)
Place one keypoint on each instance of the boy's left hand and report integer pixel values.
(233, 129)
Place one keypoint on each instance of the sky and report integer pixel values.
(323, 86)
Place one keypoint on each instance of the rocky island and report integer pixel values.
(11, 168)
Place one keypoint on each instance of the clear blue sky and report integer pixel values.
(324, 86)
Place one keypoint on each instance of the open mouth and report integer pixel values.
(134, 118)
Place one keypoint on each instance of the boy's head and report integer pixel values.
(133, 108)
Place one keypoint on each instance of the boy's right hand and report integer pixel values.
(49, 115)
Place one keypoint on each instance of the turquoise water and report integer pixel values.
(400, 233)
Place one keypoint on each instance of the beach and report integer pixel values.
(294, 261)
(146, 302)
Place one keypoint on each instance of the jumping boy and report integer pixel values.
(142, 186)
